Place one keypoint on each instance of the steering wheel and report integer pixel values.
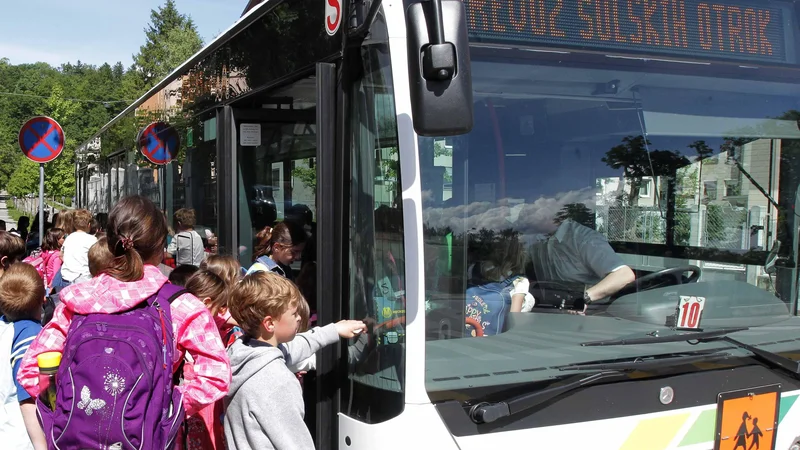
(670, 275)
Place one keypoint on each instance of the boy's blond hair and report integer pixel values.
(21, 292)
(227, 267)
(259, 295)
(82, 220)
(185, 217)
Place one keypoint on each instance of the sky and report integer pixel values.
(96, 31)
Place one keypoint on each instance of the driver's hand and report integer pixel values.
(579, 306)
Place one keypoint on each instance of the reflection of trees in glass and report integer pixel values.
(295, 38)
(307, 175)
(636, 163)
(680, 181)
(578, 212)
(682, 184)
(631, 157)
(688, 185)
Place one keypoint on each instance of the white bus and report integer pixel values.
(439, 151)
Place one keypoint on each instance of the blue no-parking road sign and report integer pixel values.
(41, 139)
(159, 142)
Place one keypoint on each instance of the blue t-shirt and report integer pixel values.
(25, 331)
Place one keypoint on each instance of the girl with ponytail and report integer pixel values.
(135, 236)
(277, 248)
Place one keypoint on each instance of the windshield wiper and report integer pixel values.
(653, 362)
(770, 358)
(486, 412)
(656, 339)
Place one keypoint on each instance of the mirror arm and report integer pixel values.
(362, 29)
(439, 57)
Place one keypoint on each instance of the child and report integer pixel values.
(100, 257)
(226, 267)
(135, 236)
(187, 245)
(12, 250)
(203, 430)
(181, 274)
(21, 295)
(264, 408)
(76, 250)
(277, 248)
(51, 255)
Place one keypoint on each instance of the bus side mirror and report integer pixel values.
(439, 67)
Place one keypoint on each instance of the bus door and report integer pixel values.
(282, 168)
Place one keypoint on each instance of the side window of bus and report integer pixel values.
(376, 279)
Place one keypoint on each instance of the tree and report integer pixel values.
(171, 39)
(25, 179)
(60, 173)
(577, 212)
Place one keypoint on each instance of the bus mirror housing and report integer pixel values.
(439, 67)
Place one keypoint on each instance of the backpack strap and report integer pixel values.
(165, 296)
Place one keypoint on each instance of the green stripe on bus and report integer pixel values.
(786, 404)
(702, 430)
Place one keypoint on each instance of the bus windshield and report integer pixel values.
(664, 187)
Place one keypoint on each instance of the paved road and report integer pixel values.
(4, 212)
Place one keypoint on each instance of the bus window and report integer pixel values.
(377, 275)
(627, 187)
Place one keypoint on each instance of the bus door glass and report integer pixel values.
(276, 173)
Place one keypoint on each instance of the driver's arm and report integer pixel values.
(612, 283)
(601, 259)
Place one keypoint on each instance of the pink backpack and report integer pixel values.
(38, 259)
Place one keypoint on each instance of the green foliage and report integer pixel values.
(307, 175)
(83, 98)
(171, 38)
(25, 179)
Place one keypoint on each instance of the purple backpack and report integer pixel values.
(115, 383)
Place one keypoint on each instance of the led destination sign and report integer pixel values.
(739, 31)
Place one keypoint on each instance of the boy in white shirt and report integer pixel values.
(76, 249)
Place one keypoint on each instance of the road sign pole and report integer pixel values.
(41, 203)
(162, 185)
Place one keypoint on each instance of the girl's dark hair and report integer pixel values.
(181, 274)
(206, 284)
(286, 233)
(51, 238)
(136, 233)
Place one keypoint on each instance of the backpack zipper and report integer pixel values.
(163, 332)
